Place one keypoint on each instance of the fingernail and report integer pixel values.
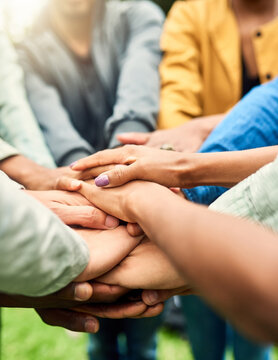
(152, 297)
(102, 180)
(72, 164)
(90, 326)
(75, 184)
(111, 222)
(81, 292)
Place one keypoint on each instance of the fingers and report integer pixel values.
(76, 292)
(153, 297)
(85, 216)
(119, 175)
(134, 138)
(107, 293)
(107, 249)
(114, 311)
(70, 320)
(134, 229)
(151, 311)
(102, 158)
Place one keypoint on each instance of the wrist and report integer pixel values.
(146, 194)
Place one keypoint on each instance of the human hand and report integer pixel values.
(83, 319)
(188, 137)
(153, 297)
(74, 209)
(146, 267)
(118, 201)
(167, 168)
(107, 249)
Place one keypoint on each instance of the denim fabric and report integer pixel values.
(140, 342)
(209, 334)
(253, 123)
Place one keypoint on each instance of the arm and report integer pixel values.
(137, 95)
(174, 169)
(231, 262)
(63, 139)
(251, 124)
(34, 241)
(18, 126)
(181, 78)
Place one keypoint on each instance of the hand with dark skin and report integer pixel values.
(97, 301)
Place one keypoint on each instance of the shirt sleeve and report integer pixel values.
(180, 70)
(254, 198)
(138, 89)
(6, 150)
(64, 141)
(18, 127)
(39, 255)
(252, 123)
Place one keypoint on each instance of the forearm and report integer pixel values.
(26, 172)
(226, 168)
(219, 263)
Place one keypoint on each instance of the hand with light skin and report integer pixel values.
(74, 209)
(107, 249)
(188, 137)
(172, 169)
(146, 267)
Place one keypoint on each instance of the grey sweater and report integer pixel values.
(82, 107)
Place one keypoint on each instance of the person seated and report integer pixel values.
(214, 53)
(91, 72)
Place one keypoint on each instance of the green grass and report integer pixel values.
(26, 337)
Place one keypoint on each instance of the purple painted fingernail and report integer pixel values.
(102, 180)
(72, 164)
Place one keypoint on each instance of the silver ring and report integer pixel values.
(168, 147)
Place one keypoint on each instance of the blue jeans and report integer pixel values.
(140, 342)
(209, 334)
(253, 123)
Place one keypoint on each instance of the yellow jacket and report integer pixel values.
(201, 71)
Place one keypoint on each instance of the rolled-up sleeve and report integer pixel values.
(254, 198)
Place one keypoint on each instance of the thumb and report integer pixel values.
(120, 175)
(133, 138)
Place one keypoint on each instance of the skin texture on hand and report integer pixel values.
(107, 249)
(33, 176)
(74, 209)
(167, 168)
(188, 137)
(146, 267)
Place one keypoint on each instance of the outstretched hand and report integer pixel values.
(119, 166)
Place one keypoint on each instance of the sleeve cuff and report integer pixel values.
(74, 156)
(127, 126)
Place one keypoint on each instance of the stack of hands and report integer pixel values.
(127, 276)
